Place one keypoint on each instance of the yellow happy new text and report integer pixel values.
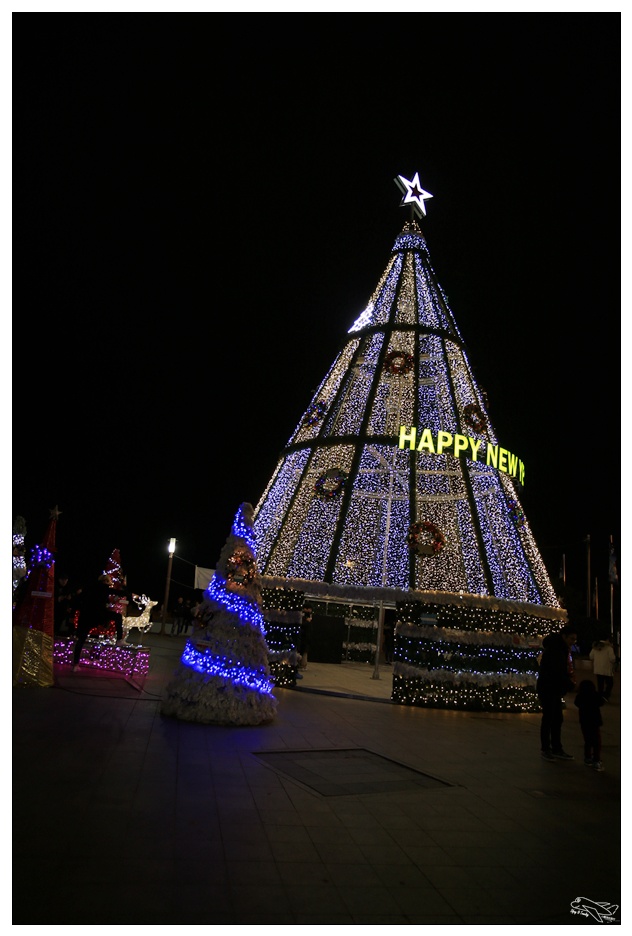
(457, 444)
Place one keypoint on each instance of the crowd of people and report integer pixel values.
(182, 616)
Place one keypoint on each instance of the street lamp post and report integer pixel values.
(172, 549)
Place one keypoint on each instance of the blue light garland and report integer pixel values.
(40, 556)
(226, 669)
(243, 531)
(248, 612)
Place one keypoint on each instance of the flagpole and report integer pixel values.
(588, 575)
(611, 571)
(596, 599)
(611, 612)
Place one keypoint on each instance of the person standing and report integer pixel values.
(178, 617)
(603, 659)
(554, 681)
(589, 703)
(64, 605)
(305, 635)
(188, 615)
(196, 611)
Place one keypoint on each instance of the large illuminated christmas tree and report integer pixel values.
(224, 676)
(394, 491)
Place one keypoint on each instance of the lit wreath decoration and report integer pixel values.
(474, 417)
(331, 483)
(314, 414)
(516, 513)
(398, 362)
(240, 569)
(437, 539)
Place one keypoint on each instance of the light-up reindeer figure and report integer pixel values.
(142, 622)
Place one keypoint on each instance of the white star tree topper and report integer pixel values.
(413, 194)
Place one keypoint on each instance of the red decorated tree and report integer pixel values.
(119, 582)
(34, 616)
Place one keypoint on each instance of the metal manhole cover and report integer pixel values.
(348, 772)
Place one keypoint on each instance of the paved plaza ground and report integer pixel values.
(347, 809)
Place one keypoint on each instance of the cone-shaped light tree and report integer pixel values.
(224, 677)
(394, 487)
(118, 601)
(117, 577)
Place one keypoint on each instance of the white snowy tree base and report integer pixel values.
(212, 700)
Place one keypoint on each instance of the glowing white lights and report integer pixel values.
(363, 320)
(19, 562)
(141, 622)
(414, 195)
(357, 539)
(361, 411)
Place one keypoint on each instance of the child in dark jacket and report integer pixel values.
(589, 703)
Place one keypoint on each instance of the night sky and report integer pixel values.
(202, 207)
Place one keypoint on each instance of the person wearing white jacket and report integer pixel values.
(603, 660)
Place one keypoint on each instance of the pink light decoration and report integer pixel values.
(128, 661)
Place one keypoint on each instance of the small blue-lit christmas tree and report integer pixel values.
(224, 675)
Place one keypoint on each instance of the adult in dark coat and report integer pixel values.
(65, 600)
(554, 681)
(305, 636)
